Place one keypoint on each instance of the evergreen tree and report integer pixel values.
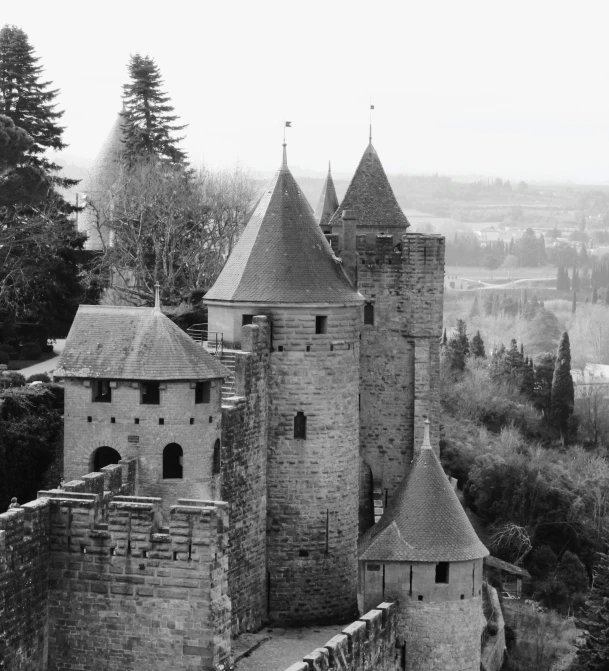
(149, 118)
(444, 339)
(478, 346)
(542, 393)
(594, 656)
(458, 347)
(563, 397)
(28, 101)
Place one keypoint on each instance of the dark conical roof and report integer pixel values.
(282, 255)
(328, 202)
(104, 171)
(425, 522)
(371, 197)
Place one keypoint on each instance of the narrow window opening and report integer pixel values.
(217, 458)
(369, 314)
(462, 597)
(308, 348)
(102, 393)
(303, 553)
(442, 572)
(136, 420)
(321, 324)
(327, 531)
(150, 393)
(211, 419)
(83, 550)
(89, 419)
(113, 552)
(420, 597)
(189, 551)
(280, 348)
(172, 461)
(331, 348)
(145, 554)
(161, 421)
(175, 555)
(203, 392)
(129, 547)
(112, 420)
(247, 319)
(410, 588)
(192, 420)
(383, 581)
(403, 661)
(474, 580)
(300, 426)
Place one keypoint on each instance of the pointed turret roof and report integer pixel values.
(425, 522)
(282, 255)
(104, 171)
(371, 197)
(128, 343)
(328, 202)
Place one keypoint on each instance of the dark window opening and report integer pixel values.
(150, 393)
(89, 418)
(308, 348)
(280, 348)
(105, 456)
(300, 426)
(369, 314)
(247, 319)
(161, 421)
(136, 420)
(217, 458)
(202, 392)
(172, 461)
(373, 567)
(321, 324)
(112, 420)
(192, 420)
(303, 553)
(420, 597)
(211, 419)
(442, 572)
(410, 587)
(462, 597)
(101, 391)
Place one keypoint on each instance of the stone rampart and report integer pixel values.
(493, 647)
(369, 644)
(243, 478)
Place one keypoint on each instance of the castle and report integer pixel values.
(306, 490)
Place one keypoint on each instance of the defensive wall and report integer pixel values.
(493, 645)
(368, 644)
(90, 579)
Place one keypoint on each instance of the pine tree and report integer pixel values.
(478, 346)
(149, 118)
(563, 397)
(28, 101)
(458, 347)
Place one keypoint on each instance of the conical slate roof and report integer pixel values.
(426, 521)
(371, 197)
(282, 255)
(127, 343)
(104, 171)
(328, 202)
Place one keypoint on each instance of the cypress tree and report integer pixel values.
(28, 101)
(563, 396)
(478, 349)
(149, 118)
(458, 347)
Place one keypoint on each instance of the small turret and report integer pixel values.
(327, 204)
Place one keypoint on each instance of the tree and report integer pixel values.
(28, 101)
(594, 656)
(563, 397)
(478, 346)
(149, 118)
(592, 409)
(541, 334)
(542, 390)
(458, 347)
(171, 226)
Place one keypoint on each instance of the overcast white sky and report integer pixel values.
(515, 89)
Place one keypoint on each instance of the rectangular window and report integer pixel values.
(321, 324)
(247, 319)
(442, 572)
(203, 392)
(369, 314)
(300, 426)
(150, 393)
(101, 391)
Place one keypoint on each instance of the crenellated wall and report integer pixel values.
(369, 644)
(122, 591)
(243, 478)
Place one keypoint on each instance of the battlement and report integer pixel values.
(369, 643)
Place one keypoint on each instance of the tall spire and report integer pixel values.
(327, 204)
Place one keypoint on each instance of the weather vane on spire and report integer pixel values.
(371, 108)
(287, 124)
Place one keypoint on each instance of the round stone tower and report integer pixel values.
(284, 268)
(425, 553)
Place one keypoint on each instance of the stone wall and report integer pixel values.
(193, 426)
(243, 478)
(369, 644)
(493, 648)
(122, 591)
(313, 483)
(24, 561)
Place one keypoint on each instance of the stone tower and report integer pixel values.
(96, 184)
(327, 204)
(425, 553)
(401, 276)
(283, 267)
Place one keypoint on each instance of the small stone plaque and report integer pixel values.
(133, 439)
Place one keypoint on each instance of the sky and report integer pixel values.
(513, 89)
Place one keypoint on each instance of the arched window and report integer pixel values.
(104, 456)
(369, 314)
(172, 461)
(217, 458)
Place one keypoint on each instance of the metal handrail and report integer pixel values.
(213, 341)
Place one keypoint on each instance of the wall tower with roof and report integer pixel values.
(400, 275)
(327, 204)
(425, 554)
(283, 268)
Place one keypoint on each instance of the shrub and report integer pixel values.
(38, 377)
(11, 379)
(4, 358)
(492, 628)
(8, 349)
(31, 351)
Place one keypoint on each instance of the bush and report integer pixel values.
(492, 628)
(31, 351)
(9, 350)
(11, 379)
(38, 377)
(4, 358)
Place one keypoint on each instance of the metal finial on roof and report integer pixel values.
(329, 167)
(426, 440)
(284, 162)
(157, 297)
(371, 108)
